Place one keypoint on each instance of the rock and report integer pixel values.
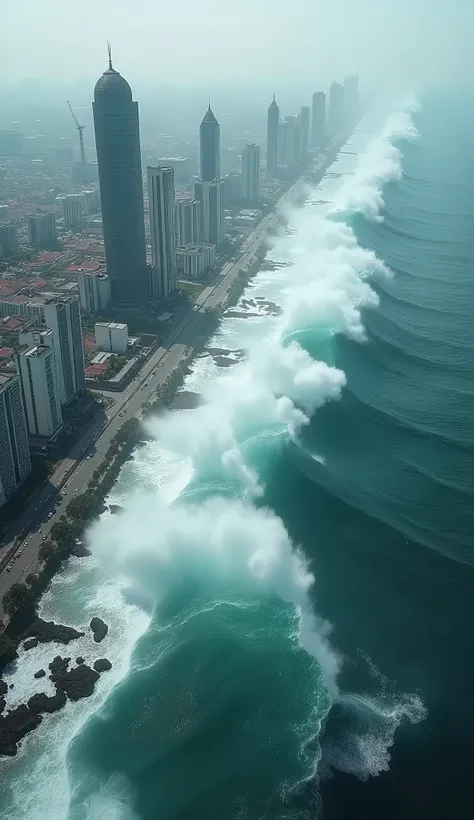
(79, 682)
(30, 643)
(14, 726)
(79, 660)
(47, 631)
(3, 687)
(3, 703)
(80, 551)
(44, 703)
(39, 674)
(102, 665)
(11, 686)
(99, 628)
(115, 508)
(58, 667)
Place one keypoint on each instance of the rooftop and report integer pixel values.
(37, 352)
(6, 376)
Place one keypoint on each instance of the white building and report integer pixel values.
(91, 200)
(210, 196)
(197, 259)
(188, 222)
(111, 337)
(73, 209)
(94, 291)
(251, 173)
(15, 464)
(42, 230)
(161, 199)
(40, 393)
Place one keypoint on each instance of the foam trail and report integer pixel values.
(110, 801)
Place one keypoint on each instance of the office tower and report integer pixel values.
(117, 139)
(111, 336)
(351, 98)
(91, 200)
(210, 195)
(292, 141)
(15, 464)
(210, 147)
(283, 146)
(73, 209)
(304, 127)
(37, 369)
(188, 221)
(63, 316)
(231, 189)
(161, 199)
(318, 125)
(251, 173)
(42, 230)
(94, 291)
(8, 240)
(336, 109)
(273, 123)
(195, 260)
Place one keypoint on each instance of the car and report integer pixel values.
(50, 514)
(146, 384)
(89, 456)
(44, 537)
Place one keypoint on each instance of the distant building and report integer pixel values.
(188, 227)
(111, 337)
(8, 239)
(94, 291)
(318, 123)
(42, 230)
(210, 195)
(73, 209)
(351, 98)
(15, 463)
(231, 189)
(117, 139)
(273, 122)
(210, 147)
(37, 369)
(91, 200)
(336, 109)
(304, 118)
(196, 260)
(180, 165)
(284, 144)
(251, 173)
(161, 197)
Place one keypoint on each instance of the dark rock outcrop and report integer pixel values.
(14, 726)
(99, 629)
(80, 551)
(30, 643)
(39, 674)
(44, 703)
(102, 665)
(115, 508)
(3, 687)
(79, 660)
(47, 631)
(58, 667)
(79, 682)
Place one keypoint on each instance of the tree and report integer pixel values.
(47, 552)
(18, 598)
(7, 650)
(62, 532)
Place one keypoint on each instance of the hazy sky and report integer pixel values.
(267, 42)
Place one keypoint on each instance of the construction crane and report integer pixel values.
(80, 128)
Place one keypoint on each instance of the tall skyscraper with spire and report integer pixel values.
(117, 138)
(273, 124)
(210, 147)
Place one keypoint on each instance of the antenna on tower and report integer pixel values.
(109, 51)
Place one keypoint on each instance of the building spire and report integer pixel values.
(209, 104)
(109, 50)
(274, 98)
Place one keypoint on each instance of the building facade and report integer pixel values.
(8, 239)
(39, 389)
(210, 196)
(318, 120)
(251, 173)
(62, 315)
(42, 230)
(336, 109)
(73, 209)
(210, 147)
(117, 138)
(111, 337)
(188, 223)
(305, 116)
(273, 124)
(15, 463)
(161, 197)
(94, 291)
(195, 260)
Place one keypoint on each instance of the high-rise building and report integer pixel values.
(73, 209)
(336, 109)
(304, 127)
(210, 147)
(195, 260)
(251, 173)
(94, 291)
(210, 195)
(283, 144)
(111, 336)
(188, 222)
(37, 369)
(42, 230)
(318, 124)
(351, 98)
(8, 240)
(117, 139)
(161, 197)
(273, 122)
(15, 463)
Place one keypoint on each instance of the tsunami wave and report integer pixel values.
(235, 657)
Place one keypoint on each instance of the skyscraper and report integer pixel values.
(15, 464)
(73, 209)
(304, 125)
(210, 195)
(351, 98)
(336, 108)
(318, 125)
(161, 198)
(273, 123)
(117, 139)
(210, 147)
(42, 230)
(40, 391)
(251, 173)
(188, 222)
